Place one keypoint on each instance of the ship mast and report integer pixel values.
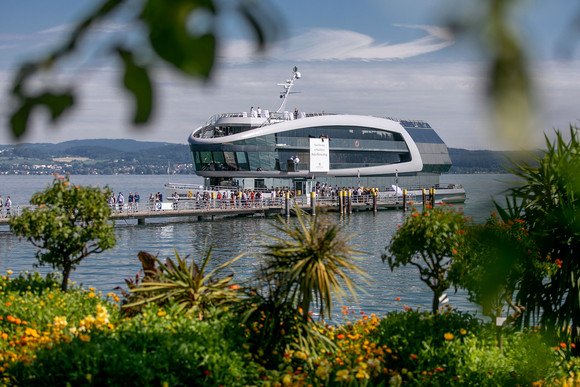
(287, 86)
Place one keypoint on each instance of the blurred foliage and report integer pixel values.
(548, 201)
(169, 37)
(68, 224)
(496, 262)
(428, 240)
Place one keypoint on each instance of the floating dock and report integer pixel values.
(210, 209)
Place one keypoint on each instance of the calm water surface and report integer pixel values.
(230, 237)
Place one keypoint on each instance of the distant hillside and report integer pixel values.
(96, 156)
(484, 161)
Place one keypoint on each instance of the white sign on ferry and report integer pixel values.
(319, 155)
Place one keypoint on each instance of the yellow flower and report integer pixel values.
(8, 272)
(448, 336)
(463, 331)
(85, 337)
(343, 376)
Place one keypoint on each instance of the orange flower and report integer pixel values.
(398, 298)
(448, 336)
(340, 336)
(413, 356)
(563, 345)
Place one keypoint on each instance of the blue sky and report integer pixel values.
(378, 57)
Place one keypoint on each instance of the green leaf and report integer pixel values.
(171, 40)
(137, 81)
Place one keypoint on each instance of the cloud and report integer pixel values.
(333, 44)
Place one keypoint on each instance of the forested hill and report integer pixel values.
(484, 161)
(138, 157)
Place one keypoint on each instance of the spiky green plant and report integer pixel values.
(189, 286)
(311, 262)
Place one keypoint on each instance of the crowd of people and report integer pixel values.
(118, 203)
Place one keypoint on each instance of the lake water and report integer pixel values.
(230, 237)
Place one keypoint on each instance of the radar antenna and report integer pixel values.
(287, 86)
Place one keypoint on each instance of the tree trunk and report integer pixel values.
(65, 274)
(435, 304)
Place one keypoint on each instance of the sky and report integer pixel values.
(386, 58)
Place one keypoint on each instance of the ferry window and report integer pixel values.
(254, 159)
(218, 157)
(205, 158)
(242, 161)
(219, 161)
(231, 161)
(196, 161)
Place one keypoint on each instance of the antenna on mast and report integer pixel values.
(287, 86)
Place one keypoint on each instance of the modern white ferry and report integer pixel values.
(261, 149)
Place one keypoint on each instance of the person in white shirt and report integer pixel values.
(8, 205)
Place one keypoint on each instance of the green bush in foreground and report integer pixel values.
(158, 347)
(162, 346)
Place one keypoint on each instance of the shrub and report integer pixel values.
(69, 224)
(158, 347)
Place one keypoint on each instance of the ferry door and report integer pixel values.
(300, 188)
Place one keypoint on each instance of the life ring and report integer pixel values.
(158, 206)
(356, 143)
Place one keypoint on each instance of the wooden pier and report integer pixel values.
(194, 210)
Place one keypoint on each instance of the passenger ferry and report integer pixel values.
(262, 149)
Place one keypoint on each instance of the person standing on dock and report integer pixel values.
(8, 205)
(120, 201)
(136, 200)
(1, 205)
(130, 201)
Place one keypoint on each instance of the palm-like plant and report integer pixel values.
(310, 263)
(189, 286)
(548, 200)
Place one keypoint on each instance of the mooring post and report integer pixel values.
(313, 202)
(423, 203)
(374, 200)
(349, 201)
(213, 200)
(287, 199)
(433, 198)
(404, 200)
(340, 209)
